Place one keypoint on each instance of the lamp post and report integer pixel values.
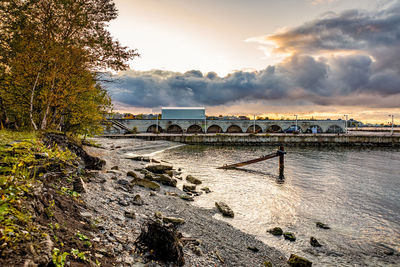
(254, 123)
(347, 117)
(391, 132)
(296, 121)
(157, 124)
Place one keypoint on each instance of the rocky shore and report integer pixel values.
(119, 199)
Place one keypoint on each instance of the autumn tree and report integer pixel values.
(51, 55)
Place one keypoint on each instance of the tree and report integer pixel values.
(51, 55)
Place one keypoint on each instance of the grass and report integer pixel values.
(7, 137)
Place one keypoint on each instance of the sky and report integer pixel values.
(314, 58)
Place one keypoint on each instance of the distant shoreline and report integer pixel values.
(351, 139)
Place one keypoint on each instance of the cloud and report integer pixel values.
(352, 58)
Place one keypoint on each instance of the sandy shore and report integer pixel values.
(109, 198)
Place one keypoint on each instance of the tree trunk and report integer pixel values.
(31, 102)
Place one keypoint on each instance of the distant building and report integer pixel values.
(182, 113)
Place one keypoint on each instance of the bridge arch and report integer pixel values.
(334, 129)
(214, 129)
(194, 129)
(153, 129)
(258, 129)
(174, 129)
(293, 128)
(274, 129)
(314, 129)
(234, 129)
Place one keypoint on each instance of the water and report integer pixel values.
(355, 191)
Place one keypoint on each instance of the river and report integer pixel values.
(355, 191)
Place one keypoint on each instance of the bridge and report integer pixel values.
(180, 126)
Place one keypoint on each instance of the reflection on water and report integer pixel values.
(356, 192)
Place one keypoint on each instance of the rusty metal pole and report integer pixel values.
(281, 153)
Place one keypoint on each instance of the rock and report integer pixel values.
(139, 158)
(158, 168)
(189, 188)
(165, 180)
(114, 172)
(314, 242)
(289, 236)
(123, 202)
(173, 220)
(267, 264)
(206, 189)
(152, 194)
(122, 182)
(79, 185)
(172, 194)
(276, 231)
(192, 179)
(149, 177)
(179, 169)
(254, 249)
(322, 225)
(224, 209)
(137, 200)
(186, 197)
(297, 261)
(169, 173)
(115, 168)
(158, 215)
(132, 174)
(147, 184)
(130, 214)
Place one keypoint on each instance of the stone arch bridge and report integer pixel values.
(224, 126)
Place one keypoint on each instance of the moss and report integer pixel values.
(22, 159)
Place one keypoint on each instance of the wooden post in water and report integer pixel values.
(281, 153)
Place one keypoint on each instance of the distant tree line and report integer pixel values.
(52, 53)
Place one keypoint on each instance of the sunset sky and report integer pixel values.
(321, 58)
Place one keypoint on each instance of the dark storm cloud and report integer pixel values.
(350, 30)
(370, 68)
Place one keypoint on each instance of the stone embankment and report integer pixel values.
(131, 193)
(351, 139)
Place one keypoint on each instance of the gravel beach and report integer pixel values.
(112, 203)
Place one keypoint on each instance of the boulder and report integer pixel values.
(289, 236)
(224, 209)
(322, 225)
(137, 200)
(132, 174)
(169, 173)
(115, 168)
(147, 184)
(189, 188)
(296, 261)
(192, 179)
(314, 242)
(173, 220)
(158, 168)
(165, 180)
(276, 231)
